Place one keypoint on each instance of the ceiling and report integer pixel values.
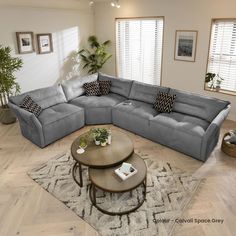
(63, 4)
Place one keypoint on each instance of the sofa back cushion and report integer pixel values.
(146, 92)
(44, 97)
(118, 85)
(73, 88)
(206, 108)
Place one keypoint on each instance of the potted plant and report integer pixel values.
(104, 136)
(83, 142)
(8, 85)
(100, 136)
(96, 57)
(218, 83)
(213, 81)
(95, 133)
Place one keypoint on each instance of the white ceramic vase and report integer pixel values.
(97, 142)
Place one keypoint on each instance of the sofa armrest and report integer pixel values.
(28, 120)
(212, 133)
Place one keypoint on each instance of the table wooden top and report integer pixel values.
(118, 151)
(106, 179)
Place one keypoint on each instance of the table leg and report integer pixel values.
(131, 193)
(94, 195)
(145, 187)
(77, 165)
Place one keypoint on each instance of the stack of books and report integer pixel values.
(126, 171)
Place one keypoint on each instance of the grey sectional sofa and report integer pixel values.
(192, 127)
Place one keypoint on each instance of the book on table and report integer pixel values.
(125, 171)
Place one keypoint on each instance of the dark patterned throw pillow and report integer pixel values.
(30, 105)
(105, 86)
(92, 88)
(164, 102)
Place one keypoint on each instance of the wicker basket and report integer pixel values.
(229, 149)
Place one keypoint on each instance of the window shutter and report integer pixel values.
(139, 49)
(222, 55)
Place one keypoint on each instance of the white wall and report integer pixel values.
(69, 28)
(179, 14)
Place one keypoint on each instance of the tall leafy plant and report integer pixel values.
(8, 84)
(95, 57)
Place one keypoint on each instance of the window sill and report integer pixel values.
(232, 93)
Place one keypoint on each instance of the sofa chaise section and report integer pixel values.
(55, 120)
(187, 128)
(60, 120)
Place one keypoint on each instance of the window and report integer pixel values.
(222, 54)
(139, 49)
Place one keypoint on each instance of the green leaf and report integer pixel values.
(8, 66)
(95, 58)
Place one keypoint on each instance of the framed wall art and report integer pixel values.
(185, 45)
(44, 43)
(25, 42)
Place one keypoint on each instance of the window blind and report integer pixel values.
(139, 49)
(222, 55)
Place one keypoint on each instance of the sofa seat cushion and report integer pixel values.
(141, 109)
(94, 101)
(181, 122)
(60, 120)
(134, 117)
(57, 112)
(98, 109)
(178, 131)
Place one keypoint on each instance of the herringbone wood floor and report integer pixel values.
(26, 209)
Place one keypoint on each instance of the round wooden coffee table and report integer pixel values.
(94, 156)
(108, 181)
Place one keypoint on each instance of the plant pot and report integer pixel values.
(109, 139)
(217, 88)
(104, 144)
(83, 147)
(7, 116)
(97, 142)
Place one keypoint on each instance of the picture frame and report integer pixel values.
(185, 45)
(44, 42)
(25, 42)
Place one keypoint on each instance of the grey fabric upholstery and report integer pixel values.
(211, 135)
(118, 85)
(60, 120)
(146, 92)
(74, 87)
(192, 128)
(179, 131)
(98, 109)
(30, 126)
(44, 97)
(203, 107)
(134, 117)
